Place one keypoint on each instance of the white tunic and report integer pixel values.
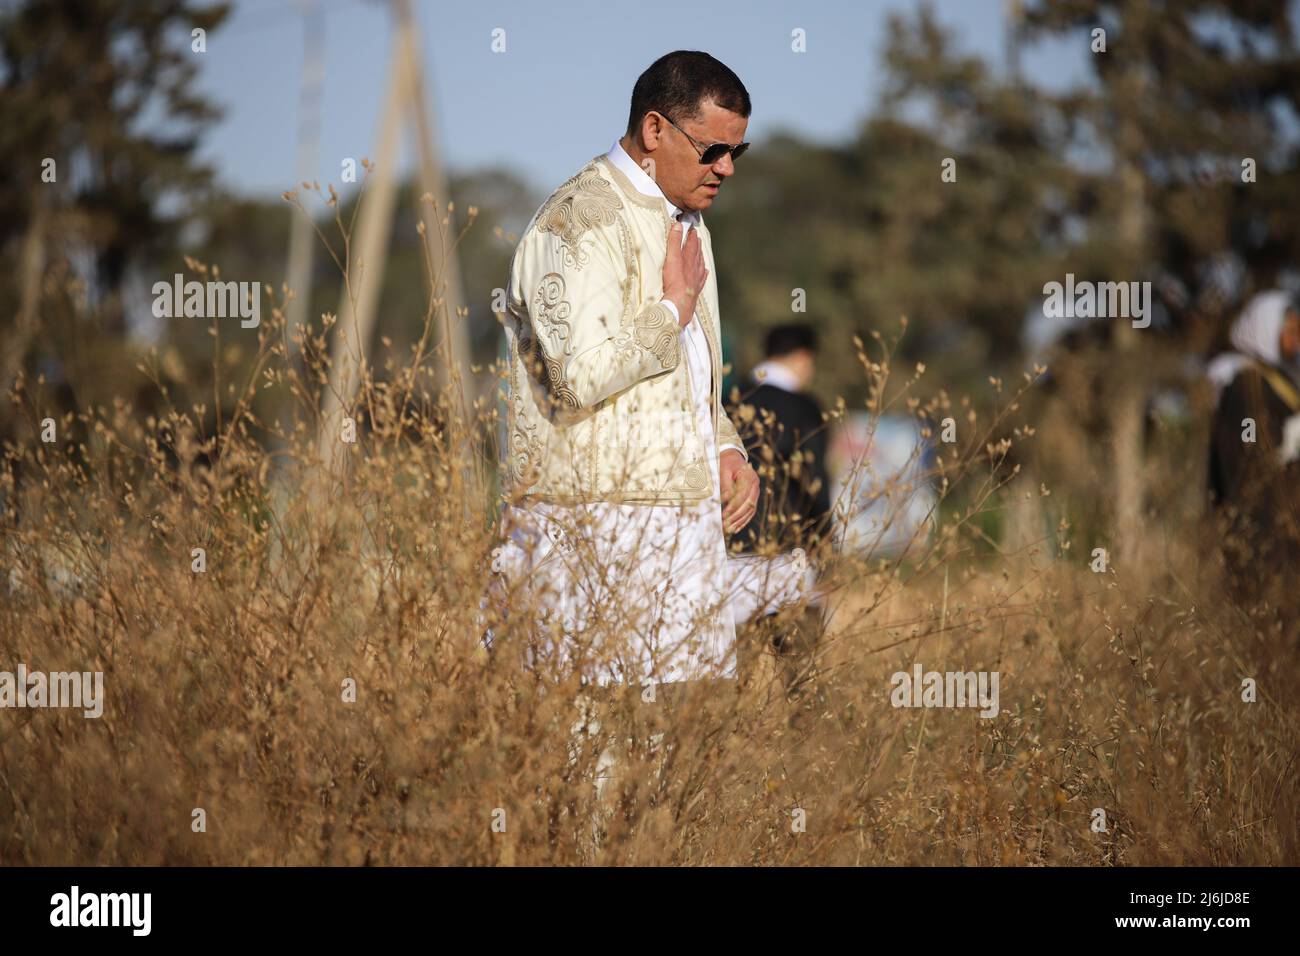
(646, 592)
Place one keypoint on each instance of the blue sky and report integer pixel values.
(559, 94)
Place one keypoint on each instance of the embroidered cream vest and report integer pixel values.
(598, 391)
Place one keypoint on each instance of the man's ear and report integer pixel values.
(652, 131)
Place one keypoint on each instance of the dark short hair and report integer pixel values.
(784, 339)
(678, 83)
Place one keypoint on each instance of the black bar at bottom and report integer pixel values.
(585, 906)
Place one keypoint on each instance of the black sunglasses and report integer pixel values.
(714, 151)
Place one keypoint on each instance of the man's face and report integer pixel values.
(686, 182)
(802, 362)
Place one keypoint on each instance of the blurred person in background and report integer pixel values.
(794, 504)
(1255, 445)
(784, 431)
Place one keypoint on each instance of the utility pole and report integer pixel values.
(358, 310)
(1130, 358)
(354, 329)
(1014, 11)
(302, 242)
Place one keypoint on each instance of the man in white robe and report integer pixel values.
(664, 568)
(635, 572)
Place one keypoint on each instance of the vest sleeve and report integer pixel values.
(728, 437)
(590, 342)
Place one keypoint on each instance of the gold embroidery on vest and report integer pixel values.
(542, 366)
(558, 384)
(551, 312)
(715, 356)
(580, 205)
(656, 332)
(524, 456)
(696, 477)
(633, 277)
(632, 193)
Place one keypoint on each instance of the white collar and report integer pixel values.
(644, 184)
(775, 374)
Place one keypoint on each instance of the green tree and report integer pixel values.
(105, 91)
(950, 207)
(1179, 95)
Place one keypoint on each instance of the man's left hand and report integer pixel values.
(739, 490)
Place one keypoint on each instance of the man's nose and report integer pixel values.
(724, 167)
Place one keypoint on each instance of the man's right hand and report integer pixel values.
(684, 272)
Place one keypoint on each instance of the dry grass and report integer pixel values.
(1119, 691)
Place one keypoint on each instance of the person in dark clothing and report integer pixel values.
(784, 432)
(1254, 468)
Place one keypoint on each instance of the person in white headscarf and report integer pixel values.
(1265, 358)
(1260, 334)
(1254, 468)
